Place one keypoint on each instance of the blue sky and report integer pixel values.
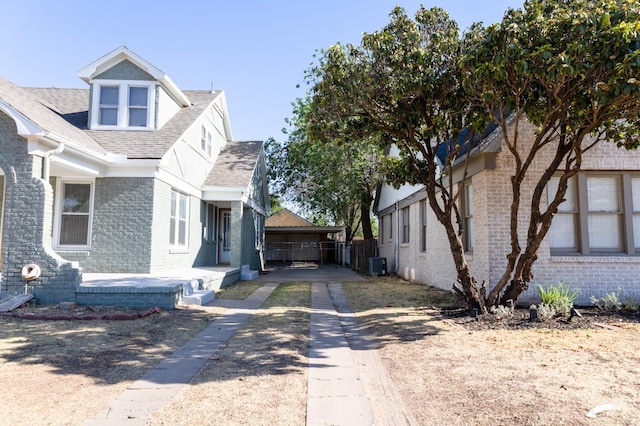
(256, 51)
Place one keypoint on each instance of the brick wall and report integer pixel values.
(27, 219)
(593, 275)
(121, 229)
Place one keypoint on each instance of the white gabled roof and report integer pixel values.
(122, 53)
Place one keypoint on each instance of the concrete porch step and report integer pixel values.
(192, 295)
(199, 297)
(246, 274)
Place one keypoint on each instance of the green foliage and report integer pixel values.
(613, 302)
(501, 311)
(332, 180)
(559, 298)
(570, 67)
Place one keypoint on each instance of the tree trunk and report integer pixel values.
(365, 215)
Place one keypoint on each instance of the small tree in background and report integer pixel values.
(332, 179)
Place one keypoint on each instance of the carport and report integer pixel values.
(290, 239)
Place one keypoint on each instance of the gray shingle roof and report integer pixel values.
(235, 164)
(44, 114)
(72, 105)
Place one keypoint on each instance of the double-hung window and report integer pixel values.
(423, 225)
(405, 225)
(109, 98)
(600, 214)
(138, 106)
(122, 105)
(178, 219)
(205, 141)
(75, 208)
(467, 210)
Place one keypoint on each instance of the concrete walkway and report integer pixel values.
(159, 386)
(336, 395)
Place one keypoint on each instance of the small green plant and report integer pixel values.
(612, 302)
(501, 311)
(558, 297)
(608, 303)
(547, 311)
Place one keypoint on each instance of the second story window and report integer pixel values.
(109, 96)
(122, 105)
(138, 102)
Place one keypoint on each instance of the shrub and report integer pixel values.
(501, 311)
(558, 298)
(608, 303)
(612, 302)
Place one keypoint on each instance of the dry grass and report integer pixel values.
(448, 375)
(239, 290)
(64, 372)
(260, 376)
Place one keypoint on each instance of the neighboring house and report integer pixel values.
(131, 175)
(593, 244)
(290, 238)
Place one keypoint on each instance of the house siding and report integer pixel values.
(593, 275)
(125, 70)
(165, 258)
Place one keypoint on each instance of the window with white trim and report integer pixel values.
(138, 106)
(122, 105)
(423, 225)
(600, 214)
(206, 141)
(405, 225)
(75, 211)
(467, 211)
(178, 219)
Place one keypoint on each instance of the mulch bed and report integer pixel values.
(520, 319)
(55, 314)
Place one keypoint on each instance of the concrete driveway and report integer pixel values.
(310, 272)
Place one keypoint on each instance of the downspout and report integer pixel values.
(46, 165)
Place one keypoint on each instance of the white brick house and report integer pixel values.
(593, 245)
(129, 175)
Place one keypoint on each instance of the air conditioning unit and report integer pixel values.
(377, 266)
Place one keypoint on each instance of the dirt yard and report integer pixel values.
(446, 369)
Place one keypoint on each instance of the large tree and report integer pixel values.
(333, 180)
(571, 68)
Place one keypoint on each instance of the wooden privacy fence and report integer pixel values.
(361, 251)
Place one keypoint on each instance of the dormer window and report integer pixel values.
(138, 106)
(122, 105)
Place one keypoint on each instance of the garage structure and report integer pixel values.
(291, 239)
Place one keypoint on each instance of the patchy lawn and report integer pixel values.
(64, 372)
(446, 369)
(260, 376)
(448, 373)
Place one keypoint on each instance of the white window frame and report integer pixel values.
(206, 141)
(123, 104)
(423, 226)
(57, 224)
(406, 224)
(176, 236)
(467, 216)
